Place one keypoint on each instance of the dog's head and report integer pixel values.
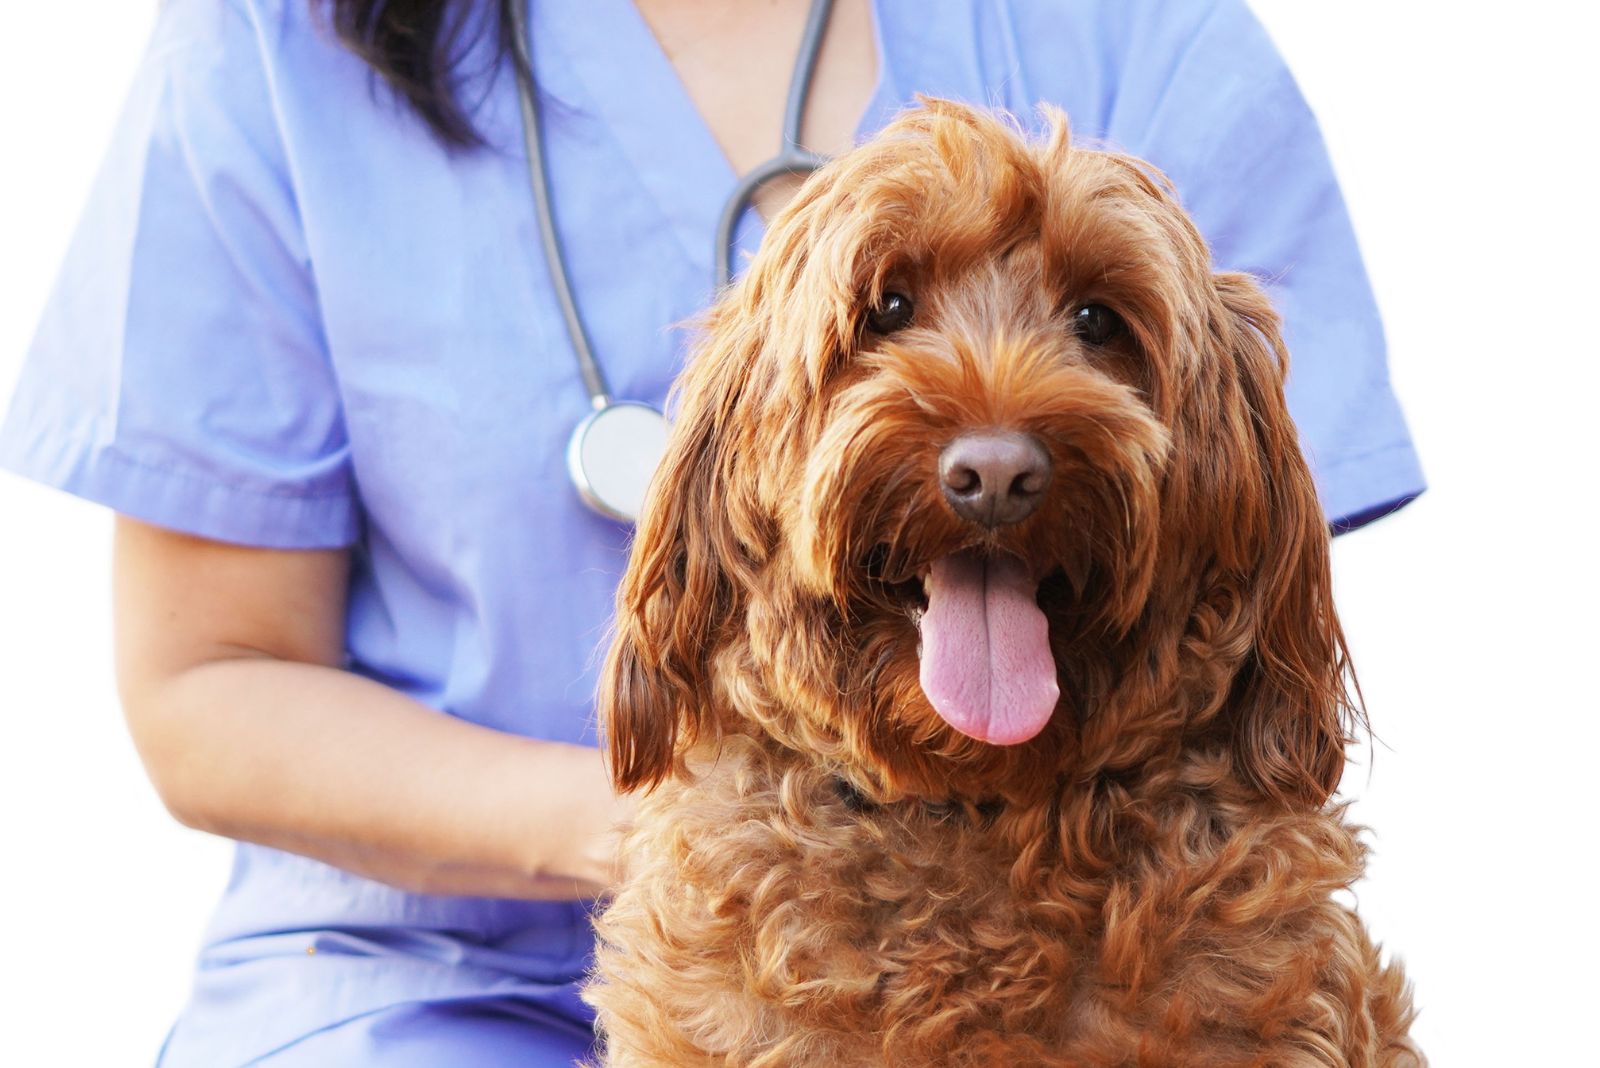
(979, 479)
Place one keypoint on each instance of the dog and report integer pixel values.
(976, 657)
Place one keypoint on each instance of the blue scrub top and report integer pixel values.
(290, 319)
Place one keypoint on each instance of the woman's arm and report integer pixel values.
(227, 666)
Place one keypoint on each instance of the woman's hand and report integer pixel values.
(228, 665)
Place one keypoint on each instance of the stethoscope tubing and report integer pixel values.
(594, 379)
(792, 158)
(602, 423)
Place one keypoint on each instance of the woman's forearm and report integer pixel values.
(227, 664)
(334, 766)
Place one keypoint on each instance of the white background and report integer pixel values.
(1459, 131)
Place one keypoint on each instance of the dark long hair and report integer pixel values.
(418, 46)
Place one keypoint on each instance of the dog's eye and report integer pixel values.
(1097, 324)
(892, 313)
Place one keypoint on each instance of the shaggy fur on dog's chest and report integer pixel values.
(770, 920)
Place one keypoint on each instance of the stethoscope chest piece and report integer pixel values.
(612, 454)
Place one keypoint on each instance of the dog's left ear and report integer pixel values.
(682, 584)
(1290, 700)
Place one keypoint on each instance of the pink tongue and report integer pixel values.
(986, 660)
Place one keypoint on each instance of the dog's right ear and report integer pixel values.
(683, 583)
(1292, 703)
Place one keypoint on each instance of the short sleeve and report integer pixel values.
(179, 373)
(1205, 95)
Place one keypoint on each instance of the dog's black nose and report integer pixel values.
(994, 478)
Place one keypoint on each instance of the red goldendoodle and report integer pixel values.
(978, 641)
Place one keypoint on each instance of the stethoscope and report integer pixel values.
(616, 448)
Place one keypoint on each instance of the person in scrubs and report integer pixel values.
(305, 345)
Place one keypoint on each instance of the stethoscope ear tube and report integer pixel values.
(792, 157)
(616, 448)
(789, 161)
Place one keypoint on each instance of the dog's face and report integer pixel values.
(981, 480)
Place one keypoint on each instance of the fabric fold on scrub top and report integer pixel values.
(290, 319)
(261, 995)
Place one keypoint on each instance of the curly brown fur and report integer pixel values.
(826, 872)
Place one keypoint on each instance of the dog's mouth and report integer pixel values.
(986, 665)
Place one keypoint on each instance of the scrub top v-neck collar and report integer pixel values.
(668, 143)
